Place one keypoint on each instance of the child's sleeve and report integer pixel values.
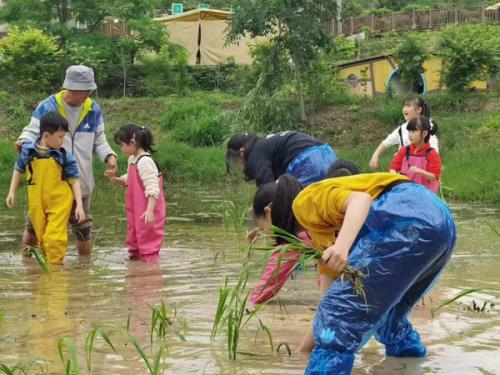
(434, 164)
(392, 139)
(22, 160)
(70, 168)
(397, 161)
(148, 171)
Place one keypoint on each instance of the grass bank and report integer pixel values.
(190, 132)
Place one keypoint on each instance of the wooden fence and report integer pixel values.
(415, 20)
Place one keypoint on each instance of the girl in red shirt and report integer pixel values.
(419, 161)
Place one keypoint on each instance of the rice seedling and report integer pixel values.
(31, 250)
(71, 366)
(453, 299)
(267, 331)
(89, 344)
(129, 316)
(235, 216)
(307, 254)
(232, 312)
(494, 229)
(477, 308)
(26, 366)
(161, 323)
(287, 347)
(153, 367)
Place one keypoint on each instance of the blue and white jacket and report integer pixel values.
(63, 158)
(88, 138)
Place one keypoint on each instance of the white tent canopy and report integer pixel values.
(203, 33)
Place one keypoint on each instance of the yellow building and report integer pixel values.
(379, 75)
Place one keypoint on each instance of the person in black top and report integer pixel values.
(265, 159)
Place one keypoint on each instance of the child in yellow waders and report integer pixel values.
(52, 179)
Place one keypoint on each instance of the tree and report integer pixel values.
(468, 52)
(47, 14)
(29, 60)
(410, 54)
(297, 26)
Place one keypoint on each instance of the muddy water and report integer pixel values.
(109, 291)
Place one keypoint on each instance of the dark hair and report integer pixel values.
(142, 135)
(52, 122)
(342, 167)
(422, 123)
(245, 141)
(417, 101)
(279, 196)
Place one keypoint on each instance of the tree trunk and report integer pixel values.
(300, 93)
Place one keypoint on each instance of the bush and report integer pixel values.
(165, 72)
(197, 123)
(29, 61)
(410, 54)
(469, 52)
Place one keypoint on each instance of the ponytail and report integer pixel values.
(279, 196)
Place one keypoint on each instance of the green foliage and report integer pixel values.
(71, 366)
(296, 27)
(29, 60)
(26, 366)
(469, 52)
(165, 72)
(459, 295)
(153, 367)
(232, 312)
(197, 123)
(410, 54)
(89, 344)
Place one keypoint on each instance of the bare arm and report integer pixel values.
(148, 215)
(77, 192)
(14, 183)
(356, 210)
(376, 156)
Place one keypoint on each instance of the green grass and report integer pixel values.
(468, 135)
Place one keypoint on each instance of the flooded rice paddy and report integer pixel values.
(110, 292)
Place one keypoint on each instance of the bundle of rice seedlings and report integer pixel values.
(309, 253)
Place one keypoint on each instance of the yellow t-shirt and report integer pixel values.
(319, 207)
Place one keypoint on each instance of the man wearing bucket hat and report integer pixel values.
(85, 138)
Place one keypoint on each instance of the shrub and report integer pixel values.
(410, 54)
(165, 72)
(29, 61)
(197, 123)
(469, 52)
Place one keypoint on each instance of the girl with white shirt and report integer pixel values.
(144, 198)
(412, 107)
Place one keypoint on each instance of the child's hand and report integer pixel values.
(79, 214)
(10, 200)
(373, 164)
(335, 258)
(110, 174)
(148, 217)
(414, 169)
(252, 234)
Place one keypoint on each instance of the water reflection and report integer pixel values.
(39, 310)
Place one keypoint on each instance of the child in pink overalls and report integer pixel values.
(144, 199)
(419, 161)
